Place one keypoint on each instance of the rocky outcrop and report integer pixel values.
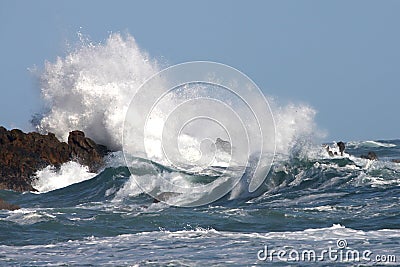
(342, 147)
(85, 151)
(22, 154)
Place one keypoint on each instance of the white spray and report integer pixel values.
(90, 90)
(91, 87)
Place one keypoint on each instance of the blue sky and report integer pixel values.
(340, 57)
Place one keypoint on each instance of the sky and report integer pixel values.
(340, 57)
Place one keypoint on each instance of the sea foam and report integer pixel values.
(50, 178)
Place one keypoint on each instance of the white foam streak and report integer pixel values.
(50, 178)
(370, 144)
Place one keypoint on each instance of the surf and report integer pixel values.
(90, 89)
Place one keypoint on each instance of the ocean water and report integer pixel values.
(306, 205)
(311, 208)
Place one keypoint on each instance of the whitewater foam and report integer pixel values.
(296, 130)
(90, 90)
(51, 178)
(29, 216)
(196, 246)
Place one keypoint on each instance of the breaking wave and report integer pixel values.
(91, 87)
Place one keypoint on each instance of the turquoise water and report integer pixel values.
(305, 204)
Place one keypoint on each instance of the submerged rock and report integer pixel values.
(165, 196)
(22, 154)
(371, 156)
(7, 206)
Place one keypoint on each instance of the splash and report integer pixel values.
(296, 130)
(49, 178)
(91, 87)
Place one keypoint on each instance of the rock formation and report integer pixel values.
(21, 155)
(342, 147)
(223, 145)
(165, 196)
(371, 156)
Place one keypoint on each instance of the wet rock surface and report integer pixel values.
(22, 154)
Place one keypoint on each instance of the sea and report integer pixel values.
(311, 209)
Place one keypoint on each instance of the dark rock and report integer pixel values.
(396, 160)
(7, 206)
(341, 146)
(86, 151)
(165, 196)
(371, 156)
(223, 145)
(21, 155)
